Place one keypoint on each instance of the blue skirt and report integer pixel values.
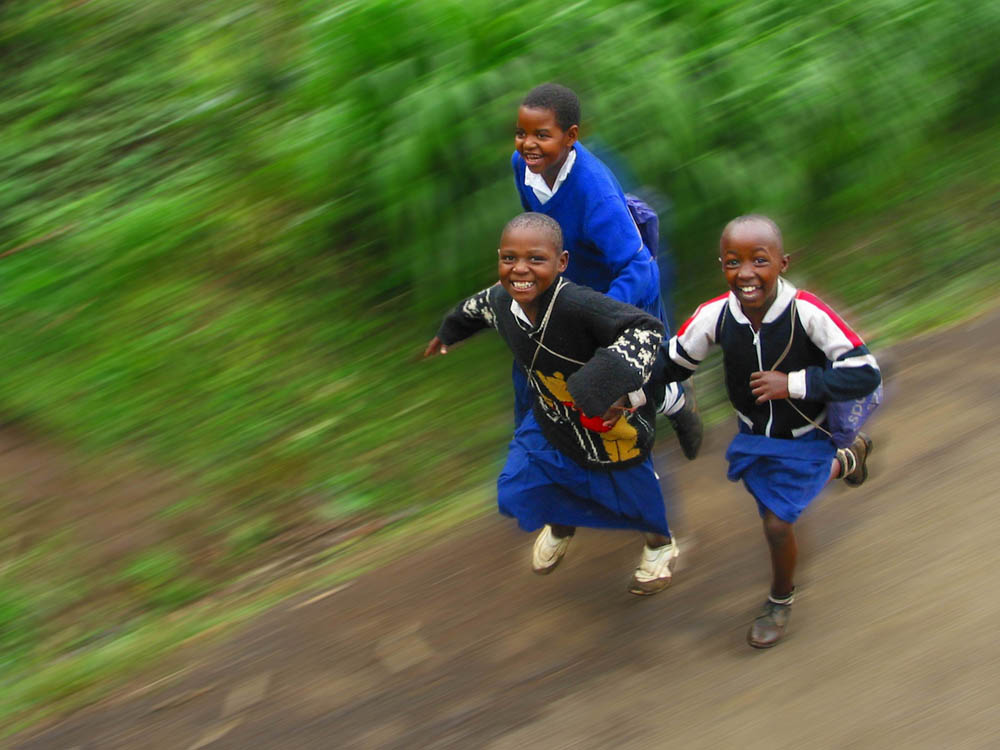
(540, 485)
(783, 475)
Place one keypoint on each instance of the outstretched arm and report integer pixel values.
(435, 347)
(624, 364)
(681, 355)
(468, 318)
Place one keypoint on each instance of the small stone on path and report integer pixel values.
(246, 694)
(403, 649)
(215, 733)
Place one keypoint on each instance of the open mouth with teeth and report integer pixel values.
(522, 286)
(748, 291)
(532, 160)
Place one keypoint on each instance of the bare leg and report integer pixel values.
(769, 626)
(784, 553)
(656, 540)
(834, 470)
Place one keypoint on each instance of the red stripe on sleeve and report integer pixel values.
(684, 326)
(838, 321)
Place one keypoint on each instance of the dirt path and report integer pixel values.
(892, 644)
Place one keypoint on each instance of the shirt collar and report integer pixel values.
(519, 313)
(543, 304)
(537, 183)
(784, 297)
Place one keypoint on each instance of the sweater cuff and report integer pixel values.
(448, 334)
(797, 384)
(599, 383)
(637, 398)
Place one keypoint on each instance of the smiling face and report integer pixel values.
(541, 142)
(529, 261)
(752, 260)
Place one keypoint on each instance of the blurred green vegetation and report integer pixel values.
(228, 228)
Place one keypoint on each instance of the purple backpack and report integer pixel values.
(844, 418)
(646, 220)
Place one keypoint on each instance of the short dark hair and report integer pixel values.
(755, 219)
(540, 222)
(561, 100)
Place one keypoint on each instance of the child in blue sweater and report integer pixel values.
(555, 175)
(786, 355)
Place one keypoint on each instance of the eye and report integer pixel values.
(761, 261)
(730, 262)
(538, 259)
(506, 258)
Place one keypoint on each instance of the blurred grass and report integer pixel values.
(231, 227)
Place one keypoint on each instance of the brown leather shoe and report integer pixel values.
(854, 461)
(770, 625)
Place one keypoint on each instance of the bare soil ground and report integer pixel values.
(892, 644)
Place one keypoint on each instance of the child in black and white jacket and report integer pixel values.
(786, 355)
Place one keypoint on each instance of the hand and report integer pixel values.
(435, 347)
(769, 385)
(614, 413)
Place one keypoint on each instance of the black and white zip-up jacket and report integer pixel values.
(594, 349)
(825, 359)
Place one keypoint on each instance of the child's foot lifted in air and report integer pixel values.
(854, 461)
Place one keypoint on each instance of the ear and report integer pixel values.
(572, 133)
(563, 261)
(784, 263)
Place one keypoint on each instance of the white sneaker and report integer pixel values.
(656, 569)
(548, 551)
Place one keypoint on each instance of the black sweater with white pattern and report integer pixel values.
(594, 350)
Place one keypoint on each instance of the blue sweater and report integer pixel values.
(605, 250)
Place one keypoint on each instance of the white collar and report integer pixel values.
(786, 293)
(519, 313)
(537, 183)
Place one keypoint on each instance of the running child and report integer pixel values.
(785, 356)
(555, 175)
(580, 457)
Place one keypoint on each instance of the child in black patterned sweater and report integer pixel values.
(581, 457)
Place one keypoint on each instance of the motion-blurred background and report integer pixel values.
(228, 229)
